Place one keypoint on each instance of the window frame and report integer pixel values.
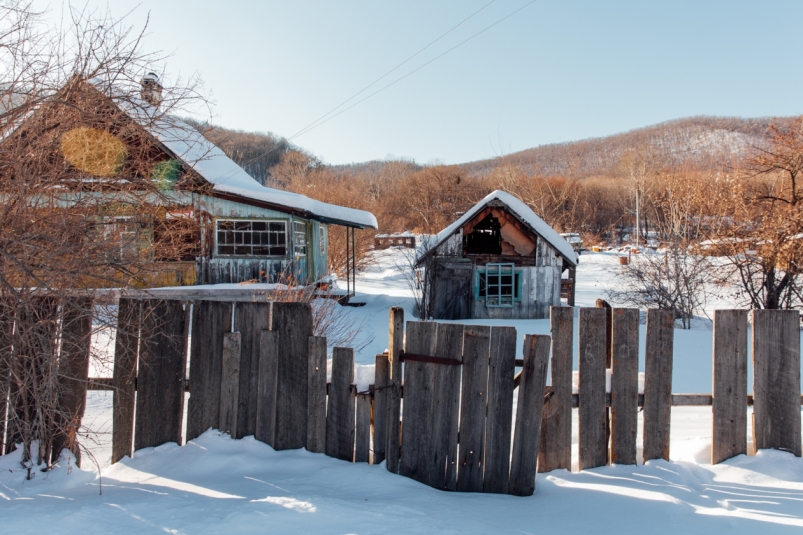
(296, 234)
(217, 245)
(496, 269)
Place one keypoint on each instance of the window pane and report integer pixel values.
(242, 225)
(225, 225)
(225, 249)
(242, 249)
(278, 251)
(259, 225)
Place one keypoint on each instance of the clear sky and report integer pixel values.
(555, 71)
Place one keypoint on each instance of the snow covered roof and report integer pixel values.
(523, 213)
(226, 177)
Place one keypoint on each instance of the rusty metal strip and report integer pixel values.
(430, 359)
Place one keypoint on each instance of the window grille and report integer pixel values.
(300, 238)
(499, 285)
(251, 238)
(123, 232)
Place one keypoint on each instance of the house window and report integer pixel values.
(300, 238)
(322, 232)
(499, 285)
(251, 238)
(122, 232)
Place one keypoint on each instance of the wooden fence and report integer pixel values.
(256, 369)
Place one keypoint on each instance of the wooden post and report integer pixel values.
(76, 338)
(555, 446)
(592, 410)
(776, 380)
(498, 425)
(362, 450)
(528, 415)
(266, 387)
(380, 408)
(210, 321)
(729, 410)
(316, 395)
(293, 322)
(418, 381)
(658, 384)
(340, 413)
(162, 369)
(230, 384)
(624, 385)
(250, 319)
(126, 351)
(6, 332)
(395, 348)
(474, 396)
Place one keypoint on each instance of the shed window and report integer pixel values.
(251, 238)
(300, 238)
(499, 285)
(122, 232)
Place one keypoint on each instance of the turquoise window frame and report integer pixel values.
(518, 284)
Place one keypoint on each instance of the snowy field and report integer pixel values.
(218, 485)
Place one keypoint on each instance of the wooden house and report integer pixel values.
(231, 228)
(498, 260)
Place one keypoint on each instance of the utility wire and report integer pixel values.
(358, 93)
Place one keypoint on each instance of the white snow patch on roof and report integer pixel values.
(520, 210)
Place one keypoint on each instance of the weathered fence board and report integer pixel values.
(293, 322)
(776, 380)
(528, 415)
(729, 388)
(624, 385)
(316, 395)
(658, 384)
(446, 407)
(210, 320)
(161, 375)
(340, 413)
(250, 319)
(126, 347)
(498, 424)
(380, 407)
(592, 414)
(266, 386)
(395, 348)
(362, 449)
(418, 397)
(230, 405)
(76, 338)
(555, 446)
(474, 395)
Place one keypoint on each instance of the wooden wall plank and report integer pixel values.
(776, 380)
(418, 383)
(362, 449)
(76, 338)
(474, 395)
(445, 407)
(293, 321)
(162, 369)
(528, 415)
(230, 384)
(210, 321)
(126, 351)
(624, 385)
(729, 409)
(393, 423)
(265, 430)
(593, 443)
(555, 446)
(380, 406)
(340, 412)
(316, 395)
(658, 384)
(250, 319)
(499, 421)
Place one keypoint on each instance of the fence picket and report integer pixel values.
(380, 409)
(316, 395)
(624, 385)
(592, 412)
(362, 449)
(6, 331)
(250, 319)
(729, 385)
(474, 396)
(340, 413)
(528, 415)
(124, 379)
(776, 380)
(266, 387)
(498, 424)
(445, 407)
(658, 384)
(393, 422)
(555, 446)
(230, 384)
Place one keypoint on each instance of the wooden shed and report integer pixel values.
(499, 260)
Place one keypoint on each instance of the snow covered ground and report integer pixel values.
(216, 485)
